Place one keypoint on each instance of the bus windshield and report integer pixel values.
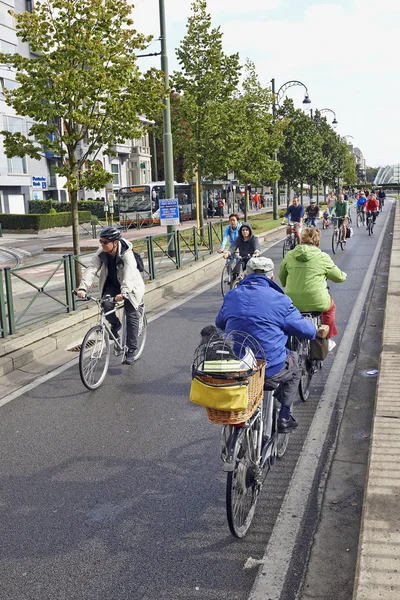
(134, 199)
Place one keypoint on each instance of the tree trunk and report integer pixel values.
(246, 201)
(75, 233)
(301, 192)
(287, 193)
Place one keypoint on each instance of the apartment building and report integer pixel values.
(24, 179)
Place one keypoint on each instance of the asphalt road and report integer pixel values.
(119, 494)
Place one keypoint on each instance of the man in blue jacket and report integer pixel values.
(259, 307)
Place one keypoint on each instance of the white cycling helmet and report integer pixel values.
(260, 264)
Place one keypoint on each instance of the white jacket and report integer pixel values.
(132, 284)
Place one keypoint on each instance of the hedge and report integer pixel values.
(95, 207)
(41, 221)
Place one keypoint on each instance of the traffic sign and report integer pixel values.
(169, 212)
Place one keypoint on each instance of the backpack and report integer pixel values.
(139, 261)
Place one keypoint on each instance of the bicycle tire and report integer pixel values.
(334, 241)
(142, 335)
(287, 246)
(306, 374)
(282, 438)
(242, 488)
(96, 340)
(226, 279)
(359, 220)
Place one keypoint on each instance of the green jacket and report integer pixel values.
(303, 274)
(341, 210)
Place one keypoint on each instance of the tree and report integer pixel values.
(257, 137)
(83, 85)
(206, 81)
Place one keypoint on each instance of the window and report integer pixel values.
(5, 18)
(7, 48)
(115, 172)
(8, 84)
(15, 125)
(28, 5)
(17, 165)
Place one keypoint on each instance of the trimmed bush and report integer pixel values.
(41, 221)
(96, 208)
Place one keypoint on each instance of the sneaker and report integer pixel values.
(130, 357)
(331, 345)
(286, 425)
(115, 329)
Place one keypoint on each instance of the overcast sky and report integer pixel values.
(345, 51)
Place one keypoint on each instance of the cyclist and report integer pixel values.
(245, 246)
(331, 199)
(231, 231)
(295, 215)
(341, 211)
(312, 213)
(360, 204)
(372, 208)
(381, 198)
(118, 277)
(303, 274)
(259, 307)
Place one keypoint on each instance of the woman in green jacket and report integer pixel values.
(304, 272)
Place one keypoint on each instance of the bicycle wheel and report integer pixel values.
(242, 487)
(142, 332)
(306, 373)
(226, 279)
(359, 220)
(283, 438)
(94, 357)
(335, 243)
(287, 246)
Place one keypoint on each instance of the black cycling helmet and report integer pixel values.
(110, 233)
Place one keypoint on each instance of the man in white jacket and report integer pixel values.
(118, 277)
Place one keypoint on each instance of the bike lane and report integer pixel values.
(119, 493)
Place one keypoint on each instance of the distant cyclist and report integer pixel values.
(372, 208)
(245, 246)
(312, 213)
(360, 203)
(231, 231)
(295, 216)
(341, 211)
(381, 198)
(119, 278)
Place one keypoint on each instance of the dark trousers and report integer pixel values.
(289, 377)
(132, 316)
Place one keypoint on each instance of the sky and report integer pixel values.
(346, 52)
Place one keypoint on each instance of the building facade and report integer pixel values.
(24, 179)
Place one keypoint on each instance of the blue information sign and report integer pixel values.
(169, 212)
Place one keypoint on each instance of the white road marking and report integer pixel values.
(276, 561)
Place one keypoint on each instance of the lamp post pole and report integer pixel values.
(167, 137)
(275, 190)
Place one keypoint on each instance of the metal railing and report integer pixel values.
(33, 293)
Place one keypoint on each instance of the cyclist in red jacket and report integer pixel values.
(372, 208)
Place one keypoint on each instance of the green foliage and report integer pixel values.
(94, 207)
(83, 89)
(202, 127)
(257, 138)
(371, 173)
(41, 221)
(52, 211)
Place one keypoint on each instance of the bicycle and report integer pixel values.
(290, 241)
(337, 236)
(360, 217)
(308, 365)
(232, 275)
(370, 224)
(94, 355)
(250, 440)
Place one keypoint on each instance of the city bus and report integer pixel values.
(140, 203)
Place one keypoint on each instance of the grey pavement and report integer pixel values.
(119, 493)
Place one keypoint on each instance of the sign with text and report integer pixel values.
(39, 183)
(169, 212)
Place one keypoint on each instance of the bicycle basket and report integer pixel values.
(228, 375)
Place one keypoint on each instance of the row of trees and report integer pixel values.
(84, 92)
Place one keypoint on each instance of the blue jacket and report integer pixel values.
(230, 234)
(259, 307)
(295, 213)
(361, 201)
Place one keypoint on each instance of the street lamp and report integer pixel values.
(276, 98)
(334, 122)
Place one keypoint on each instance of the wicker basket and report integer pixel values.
(255, 392)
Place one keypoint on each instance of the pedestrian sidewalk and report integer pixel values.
(378, 567)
